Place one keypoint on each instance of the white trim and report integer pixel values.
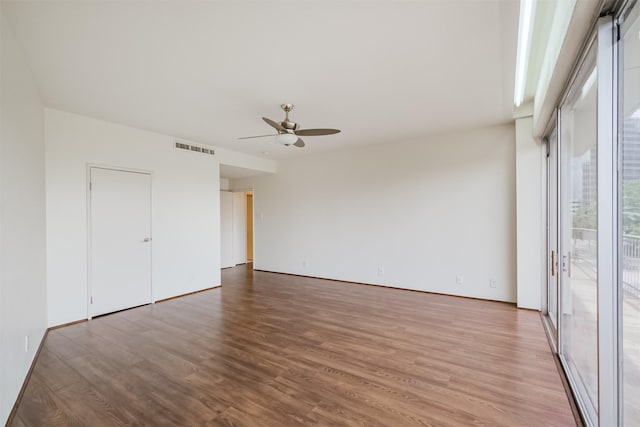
(89, 241)
(607, 228)
(559, 231)
(545, 184)
(551, 240)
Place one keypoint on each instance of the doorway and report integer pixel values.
(236, 228)
(239, 228)
(226, 229)
(119, 240)
(249, 204)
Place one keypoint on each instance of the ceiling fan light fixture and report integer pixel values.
(286, 138)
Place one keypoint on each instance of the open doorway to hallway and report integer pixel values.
(236, 228)
(236, 218)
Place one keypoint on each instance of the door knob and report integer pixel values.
(146, 239)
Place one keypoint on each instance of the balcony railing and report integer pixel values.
(585, 250)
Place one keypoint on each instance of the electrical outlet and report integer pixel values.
(305, 263)
(458, 280)
(492, 283)
(26, 343)
(380, 271)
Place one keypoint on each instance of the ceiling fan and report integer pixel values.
(289, 132)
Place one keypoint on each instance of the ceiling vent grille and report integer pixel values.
(195, 148)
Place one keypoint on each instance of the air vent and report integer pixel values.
(195, 148)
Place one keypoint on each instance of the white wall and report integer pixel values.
(423, 212)
(23, 310)
(226, 229)
(224, 184)
(529, 211)
(185, 208)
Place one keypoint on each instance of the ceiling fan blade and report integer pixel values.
(299, 143)
(274, 124)
(257, 136)
(316, 132)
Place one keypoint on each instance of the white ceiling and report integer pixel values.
(381, 71)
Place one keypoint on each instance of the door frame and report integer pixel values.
(551, 216)
(89, 167)
(608, 334)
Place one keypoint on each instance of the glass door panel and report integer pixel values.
(629, 272)
(579, 236)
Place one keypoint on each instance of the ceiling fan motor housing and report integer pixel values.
(289, 126)
(286, 123)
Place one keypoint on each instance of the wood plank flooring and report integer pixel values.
(275, 350)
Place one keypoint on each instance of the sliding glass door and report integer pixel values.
(579, 235)
(629, 235)
(593, 223)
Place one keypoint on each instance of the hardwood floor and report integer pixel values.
(276, 350)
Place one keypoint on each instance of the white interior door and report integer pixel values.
(120, 252)
(226, 229)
